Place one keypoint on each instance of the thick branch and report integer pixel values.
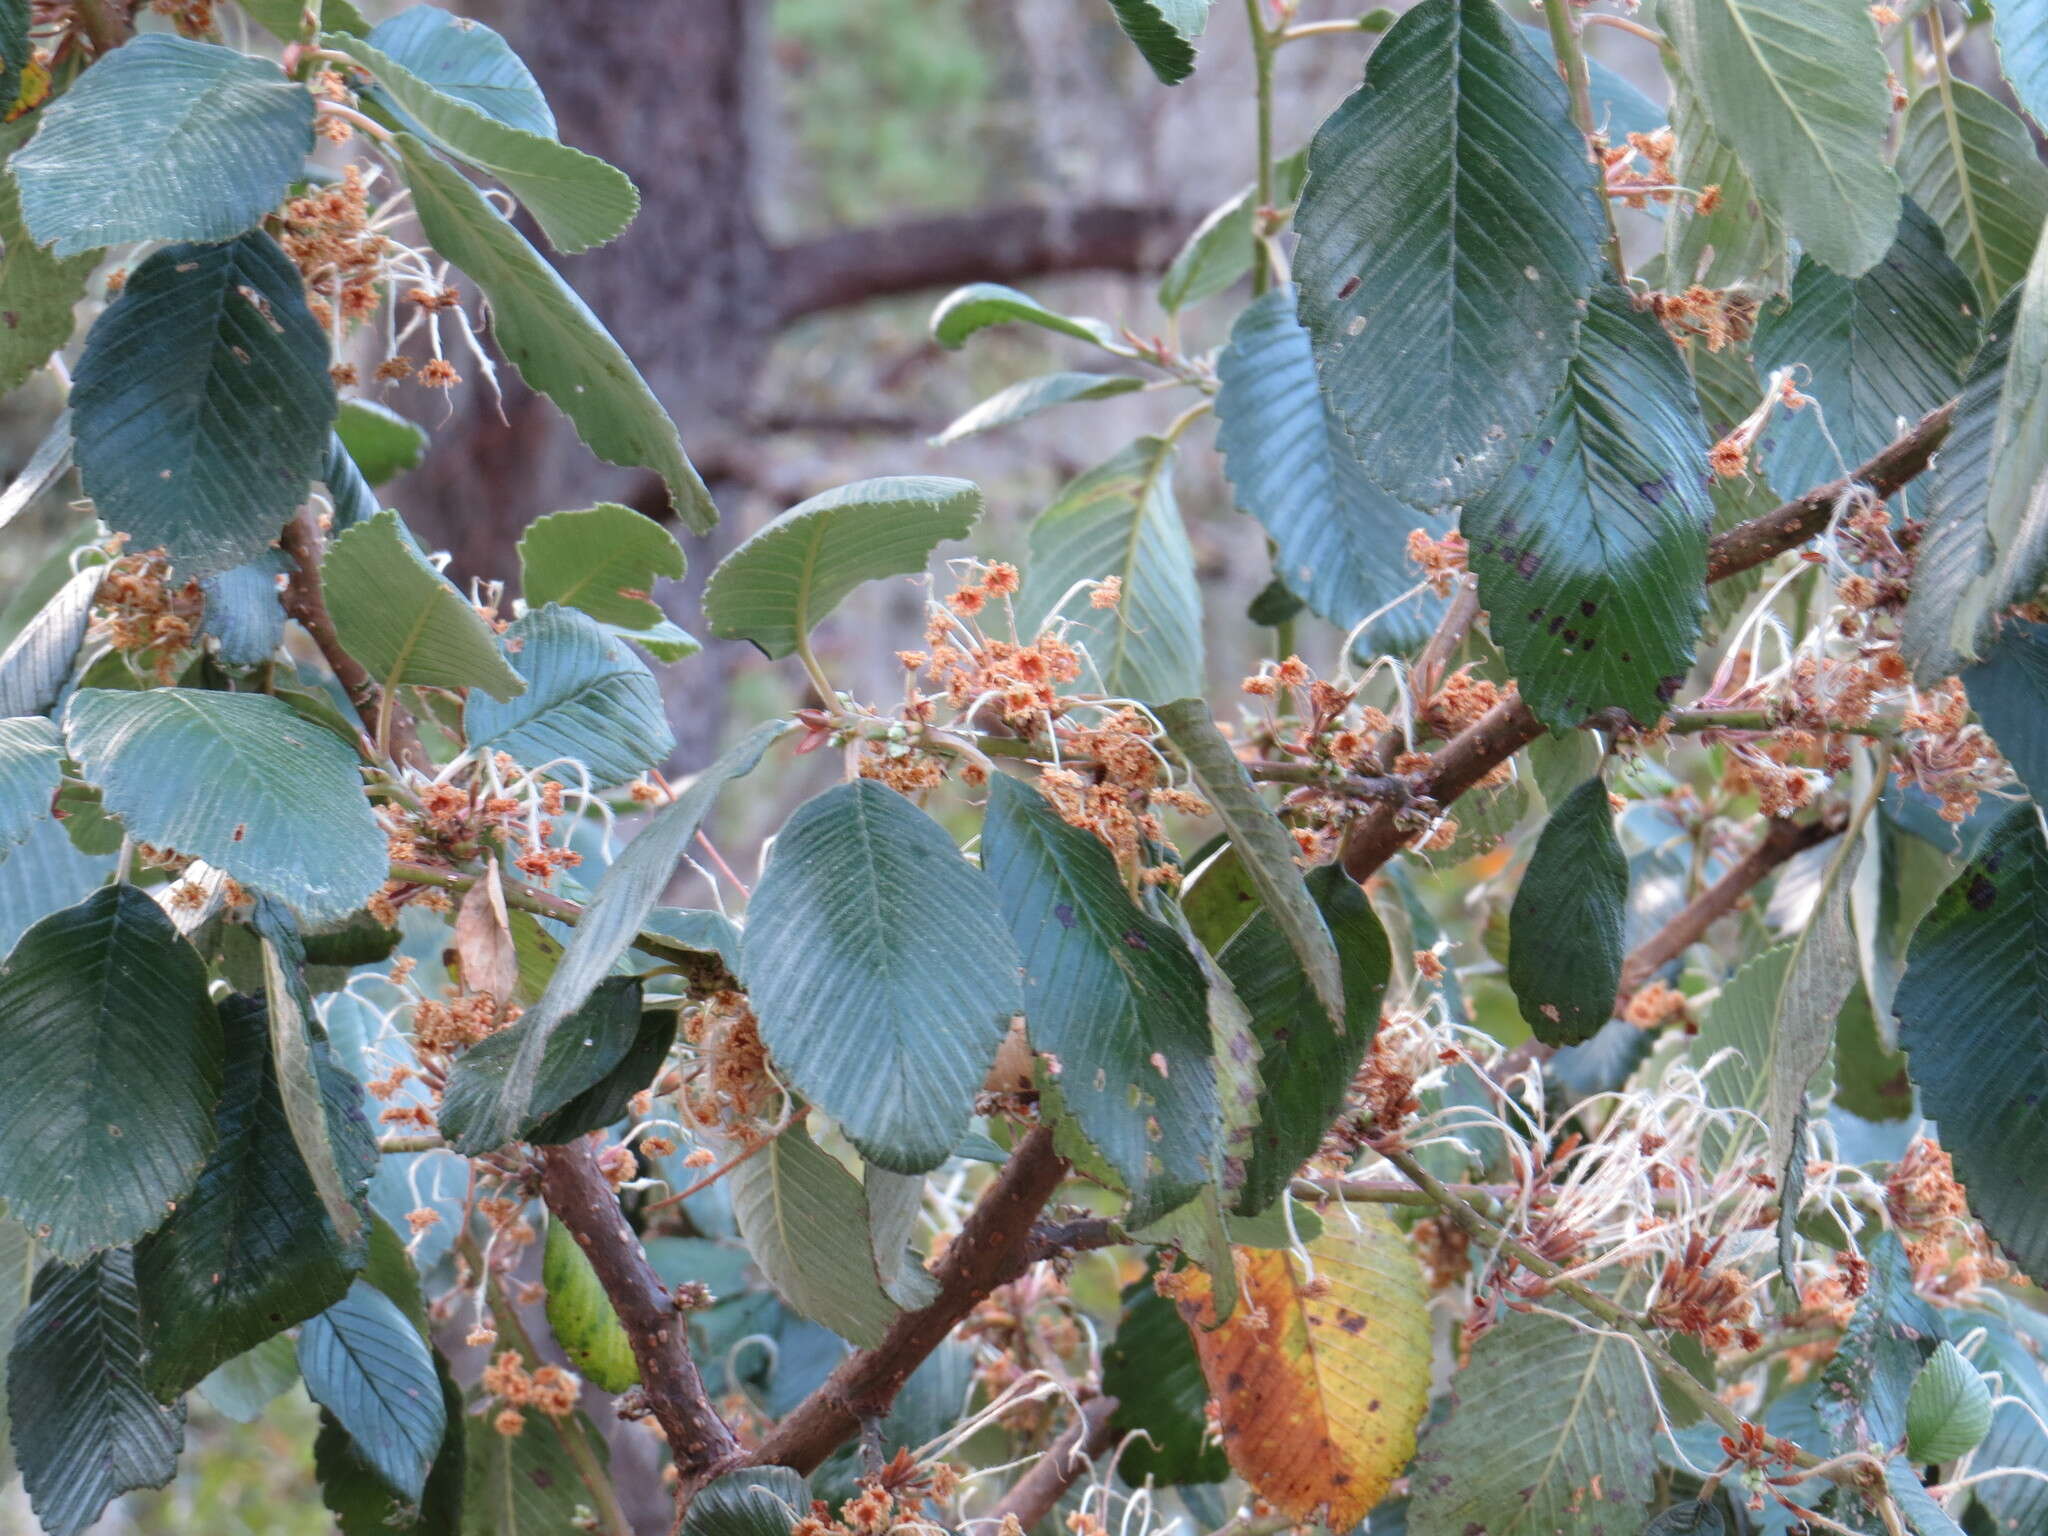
(1782, 841)
(994, 1247)
(1509, 726)
(994, 245)
(582, 1200)
(1034, 1494)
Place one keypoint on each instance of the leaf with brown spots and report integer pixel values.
(1322, 1375)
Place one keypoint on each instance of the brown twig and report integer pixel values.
(1034, 1494)
(1783, 840)
(993, 1248)
(582, 1199)
(305, 599)
(1509, 726)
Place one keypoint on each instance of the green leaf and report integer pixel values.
(524, 1485)
(588, 699)
(1339, 541)
(754, 1501)
(506, 1106)
(381, 442)
(19, 1259)
(581, 1315)
(1224, 247)
(895, 1202)
(44, 873)
(366, 1364)
(1565, 930)
(2021, 27)
(2015, 513)
(1739, 1025)
(1026, 399)
(16, 50)
(37, 288)
(866, 901)
(1152, 1371)
(1120, 520)
(604, 559)
(1865, 1386)
(559, 347)
(243, 617)
(1948, 609)
(31, 768)
(1449, 236)
(238, 780)
(1163, 32)
(1973, 1021)
(164, 139)
(1550, 1429)
(1265, 846)
(113, 1053)
(777, 586)
(2010, 694)
(1870, 1076)
(85, 1427)
(465, 59)
(805, 1221)
(1112, 994)
(364, 1505)
(1308, 1062)
(202, 405)
(1969, 161)
(605, 1101)
(250, 1251)
(1740, 241)
(980, 305)
(244, 1386)
(1797, 88)
(1691, 1518)
(37, 664)
(577, 200)
(1592, 556)
(1948, 1411)
(1890, 344)
(575, 1058)
(404, 620)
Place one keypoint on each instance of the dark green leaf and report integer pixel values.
(1163, 31)
(113, 1054)
(1111, 993)
(202, 405)
(527, 1484)
(588, 699)
(1152, 1371)
(363, 1504)
(250, 1252)
(1449, 235)
(1307, 1062)
(754, 1501)
(1565, 930)
(2010, 693)
(552, 338)
(604, 559)
(238, 780)
(881, 971)
(1591, 554)
(243, 617)
(1691, 1518)
(85, 1426)
(575, 1059)
(605, 1101)
(463, 58)
(380, 441)
(366, 1364)
(1948, 1411)
(1865, 1386)
(507, 1105)
(164, 139)
(776, 587)
(1340, 541)
(404, 620)
(43, 874)
(1973, 1021)
(1871, 350)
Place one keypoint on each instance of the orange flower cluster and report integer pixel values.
(327, 235)
(1720, 317)
(732, 1093)
(1713, 1305)
(144, 611)
(1654, 182)
(549, 1390)
(1951, 1256)
(1442, 560)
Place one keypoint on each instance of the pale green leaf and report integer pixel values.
(805, 1221)
(580, 1315)
(113, 1053)
(404, 620)
(895, 1204)
(1027, 398)
(1223, 247)
(465, 59)
(587, 699)
(2021, 27)
(777, 586)
(1449, 237)
(381, 442)
(2016, 497)
(1740, 241)
(31, 768)
(202, 405)
(979, 305)
(253, 1380)
(577, 200)
(366, 1364)
(1948, 1411)
(1968, 160)
(1591, 557)
(37, 290)
(239, 780)
(1120, 520)
(37, 663)
(559, 347)
(604, 559)
(866, 901)
(164, 139)
(1797, 88)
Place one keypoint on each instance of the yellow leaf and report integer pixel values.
(1320, 1383)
